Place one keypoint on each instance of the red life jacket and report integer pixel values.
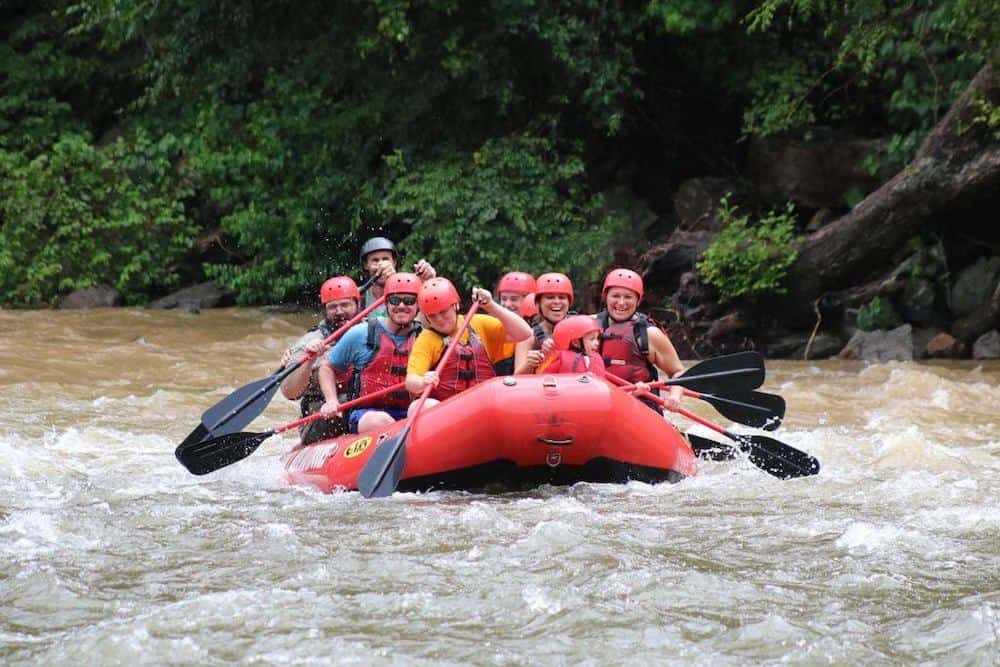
(386, 368)
(625, 347)
(572, 361)
(468, 365)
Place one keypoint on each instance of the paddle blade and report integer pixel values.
(241, 407)
(775, 457)
(197, 435)
(201, 458)
(382, 472)
(743, 371)
(753, 408)
(712, 450)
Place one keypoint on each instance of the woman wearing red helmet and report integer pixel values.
(553, 298)
(477, 350)
(577, 341)
(340, 298)
(633, 347)
(513, 291)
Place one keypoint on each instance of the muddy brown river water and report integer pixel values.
(111, 553)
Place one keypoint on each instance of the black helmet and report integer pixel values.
(378, 243)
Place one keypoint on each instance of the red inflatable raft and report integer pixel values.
(513, 433)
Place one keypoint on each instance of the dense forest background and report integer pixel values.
(149, 145)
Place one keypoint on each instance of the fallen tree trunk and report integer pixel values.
(959, 159)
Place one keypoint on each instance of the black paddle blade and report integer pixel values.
(241, 407)
(706, 448)
(753, 408)
(775, 457)
(743, 371)
(197, 435)
(382, 472)
(201, 458)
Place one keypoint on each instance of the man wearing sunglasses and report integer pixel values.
(378, 351)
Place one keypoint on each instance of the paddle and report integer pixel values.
(743, 371)
(770, 455)
(753, 408)
(244, 405)
(713, 450)
(201, 458)
(384, 468)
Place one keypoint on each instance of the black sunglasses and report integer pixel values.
(396, 299)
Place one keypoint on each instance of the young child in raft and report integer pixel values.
(577, 340)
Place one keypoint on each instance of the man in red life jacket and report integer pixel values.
(632, 346)
(577, 341)
(553, 297)
(340, 298)
(512, 291)
(378, 351)
(481, 344)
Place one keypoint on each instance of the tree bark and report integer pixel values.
(958, 159)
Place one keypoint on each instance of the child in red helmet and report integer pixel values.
(577, 341)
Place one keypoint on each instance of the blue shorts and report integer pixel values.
(356, 415)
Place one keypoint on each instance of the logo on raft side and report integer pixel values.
(357, 447)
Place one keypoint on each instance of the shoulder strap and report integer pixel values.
(374, 334)
(539, 332)
(640, 328)
(602, 319)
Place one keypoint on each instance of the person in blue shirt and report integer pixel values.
(378, 351)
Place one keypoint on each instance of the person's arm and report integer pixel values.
(524, 360)
(418, 366)
(663, 355)
(424, 270)
(328, 385)
(514, 326)
(293, 386)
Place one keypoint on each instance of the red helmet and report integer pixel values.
(436, 295)
(528, 307)
(518, 282)
(630, 280)
(573, 328)
(402, 283)
(339, 287)
(554, 283)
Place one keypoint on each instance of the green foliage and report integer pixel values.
(477, 133)
(902, 62)
(82, 215)
(516, 204)
(878, 314)
(750, 258)
(988, 115)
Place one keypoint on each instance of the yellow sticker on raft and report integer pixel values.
(357, 447)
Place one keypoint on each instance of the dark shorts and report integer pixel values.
(356, 415)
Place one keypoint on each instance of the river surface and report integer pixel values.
(111, 553)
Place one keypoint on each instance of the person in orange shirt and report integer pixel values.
(480, 345)
(577, 341)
